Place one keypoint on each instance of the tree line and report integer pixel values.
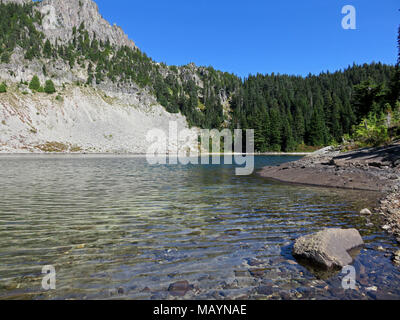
(286, 112)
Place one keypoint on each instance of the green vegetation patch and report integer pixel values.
(3, 87)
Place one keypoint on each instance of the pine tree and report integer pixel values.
(3, 87)
(398, 46)
(275, 130)
(35, 83)
(299, 126)
(47, 51)
(336, 128)
(317, 133)
(394, 94)
(49, 87)
(288, 143)
(261, 126)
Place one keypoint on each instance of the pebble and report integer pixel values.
(179, 288)
(265, 290)
(159, 296)
(240, 274)
(257, 273)
(365, 212)
(285, 295)
(364, 281)
(254, 262)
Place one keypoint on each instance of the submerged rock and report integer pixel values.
(179, 288)
(265, 290)
(328, 248)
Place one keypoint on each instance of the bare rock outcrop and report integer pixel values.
(328, 248)
(20, 2)
(60, 18)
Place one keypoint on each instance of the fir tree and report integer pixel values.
(398, 47)
(3, 87)
(47, 50)
(35, 83)
(317, 132)
(49, 87)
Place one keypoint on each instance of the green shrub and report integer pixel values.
(396, 114)
(3, 87)
(372, 131)
(34, 84)
(5, 57)
(49, 87)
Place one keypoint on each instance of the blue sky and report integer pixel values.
(259, 36)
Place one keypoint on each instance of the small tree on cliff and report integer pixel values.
(47, 50)
(3, 87)
(49, 87)
(34, 84)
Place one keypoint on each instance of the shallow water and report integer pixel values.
(116, 228)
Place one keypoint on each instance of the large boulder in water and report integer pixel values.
(328, 248)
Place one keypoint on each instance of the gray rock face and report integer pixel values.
(60, 17)
(328, 248)
(16, 1)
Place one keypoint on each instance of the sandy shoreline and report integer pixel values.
(374, 169)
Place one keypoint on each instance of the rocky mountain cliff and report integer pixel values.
(71, 44)
(60, 18)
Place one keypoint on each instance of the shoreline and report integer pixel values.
(23, 154)
(368, 169)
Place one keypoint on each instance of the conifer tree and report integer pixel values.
(317, 133)
(49, 87)
(35, 83)
(3, 87)
(47, 51)
(398, 46)
(395, 82)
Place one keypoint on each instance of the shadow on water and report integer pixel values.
(322, 273)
